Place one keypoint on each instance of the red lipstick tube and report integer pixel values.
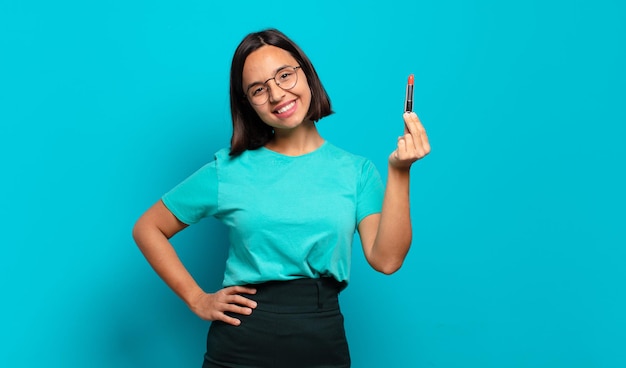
(408, 102)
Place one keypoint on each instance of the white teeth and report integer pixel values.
(286, 108)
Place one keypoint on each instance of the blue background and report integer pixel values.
(518, 258)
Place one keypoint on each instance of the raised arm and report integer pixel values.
(386, 237)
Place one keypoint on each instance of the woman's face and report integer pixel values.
(284, 109)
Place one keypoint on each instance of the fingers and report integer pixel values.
(416, 130)
(406, 151)
(241, 290)
(411, 146)
(230, 320)
(234, 309)
(231, 296)
(237, 304)
(225, 304)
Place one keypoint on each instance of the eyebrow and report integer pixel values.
(275, 71)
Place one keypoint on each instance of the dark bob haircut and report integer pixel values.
(249, 131)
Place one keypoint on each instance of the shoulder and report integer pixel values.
(222, 155)
(223, 159)
(341, 154)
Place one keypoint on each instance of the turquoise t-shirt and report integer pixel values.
(288, 217)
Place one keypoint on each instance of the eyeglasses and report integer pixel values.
(286, 78)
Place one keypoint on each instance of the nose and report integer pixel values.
(275, 92)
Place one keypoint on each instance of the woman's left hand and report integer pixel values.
(412, 146)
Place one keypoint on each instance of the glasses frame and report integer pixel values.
(267, 93)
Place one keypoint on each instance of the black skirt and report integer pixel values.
(296, 324)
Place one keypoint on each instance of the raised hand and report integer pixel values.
(412, 146)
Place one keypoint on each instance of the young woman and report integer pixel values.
(292, 202)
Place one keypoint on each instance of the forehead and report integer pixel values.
(264, 62)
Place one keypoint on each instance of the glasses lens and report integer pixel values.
(286, 78)
(258, 94)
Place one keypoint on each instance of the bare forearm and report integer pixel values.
(394, 235)
(161, 255)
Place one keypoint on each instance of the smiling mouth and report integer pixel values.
(286, 107)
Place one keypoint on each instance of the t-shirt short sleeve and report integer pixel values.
(371, 192)
(195, 197)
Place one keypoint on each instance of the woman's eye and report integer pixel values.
(285, 75)
(257, 90)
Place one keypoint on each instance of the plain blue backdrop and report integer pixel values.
(518, 257)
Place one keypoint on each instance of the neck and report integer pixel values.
(296, 142)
